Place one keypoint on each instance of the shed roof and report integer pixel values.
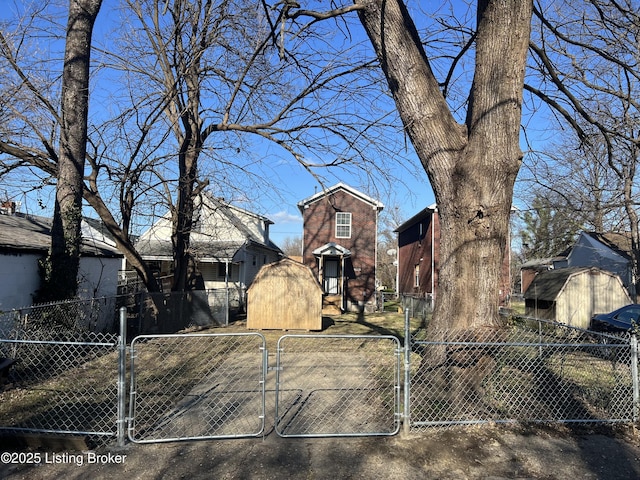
(289, 268)
(547, 285)
(30, 233)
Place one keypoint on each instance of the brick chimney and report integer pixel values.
(8, 208)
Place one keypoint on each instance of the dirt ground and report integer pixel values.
(481, 452)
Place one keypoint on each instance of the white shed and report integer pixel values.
(573, 295)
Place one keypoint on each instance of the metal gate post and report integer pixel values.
(122, 355)
(634, 374)
(407, 372)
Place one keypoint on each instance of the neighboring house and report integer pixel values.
(419, 256)
(228, 243)
(573, 295)
(340, 230)
(531, 268)
(419, 253)
(607, 251)
(25, 239)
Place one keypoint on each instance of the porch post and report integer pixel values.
(342, 289)
(226, 292)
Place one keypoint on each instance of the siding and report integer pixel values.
(573, 295)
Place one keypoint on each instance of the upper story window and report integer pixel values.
(343, 225)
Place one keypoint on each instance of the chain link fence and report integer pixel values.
(197, 386)
(329, 385)
(60, 380)
(532, 371)
(94, 315)
(164, 313)
(63, 380)
(420, 306)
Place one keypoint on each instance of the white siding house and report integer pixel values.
(24, 239)
(230, 244)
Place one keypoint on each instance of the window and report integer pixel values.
(343, 225)
(416, 275)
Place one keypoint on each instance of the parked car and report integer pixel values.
(620, 320)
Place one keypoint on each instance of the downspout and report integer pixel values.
(342, 284)
(375, 263)
(226, 289)
(433, 259)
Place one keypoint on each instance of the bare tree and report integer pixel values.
(292, 246)
(567, 187)
(202, 87)
(60, 268)
(472, 166)
(585, 56)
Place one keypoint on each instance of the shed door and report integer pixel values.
(331, 276)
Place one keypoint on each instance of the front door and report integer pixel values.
(331, 276)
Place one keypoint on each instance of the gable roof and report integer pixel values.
(153, 245)
(421, 215)
(231, 212)
(30, 233)
(620, 243)
(340, 187)
(547, 285)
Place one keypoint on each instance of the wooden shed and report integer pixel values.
(573, 295)
(284, 295)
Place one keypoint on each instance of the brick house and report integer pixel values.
(419, 253)
(340, 231)
(419, 256)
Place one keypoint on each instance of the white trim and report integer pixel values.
(344, 225)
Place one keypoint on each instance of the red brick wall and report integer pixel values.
(415, 248)
(319, 229)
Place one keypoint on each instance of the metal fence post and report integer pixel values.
(407, 372)
(634, 374)
(122, 354)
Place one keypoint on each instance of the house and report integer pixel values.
(419, 256)
(419, 253)
(229, 244)
(607, 251)
(285, 295)
(340, 230)
(25, 239)
(531, 268)
(573, 295)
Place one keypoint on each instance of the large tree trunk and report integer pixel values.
(183, 219)
(472, 166)
(61, 268)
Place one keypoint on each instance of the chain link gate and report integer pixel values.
(337, 385)
(197, 386)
